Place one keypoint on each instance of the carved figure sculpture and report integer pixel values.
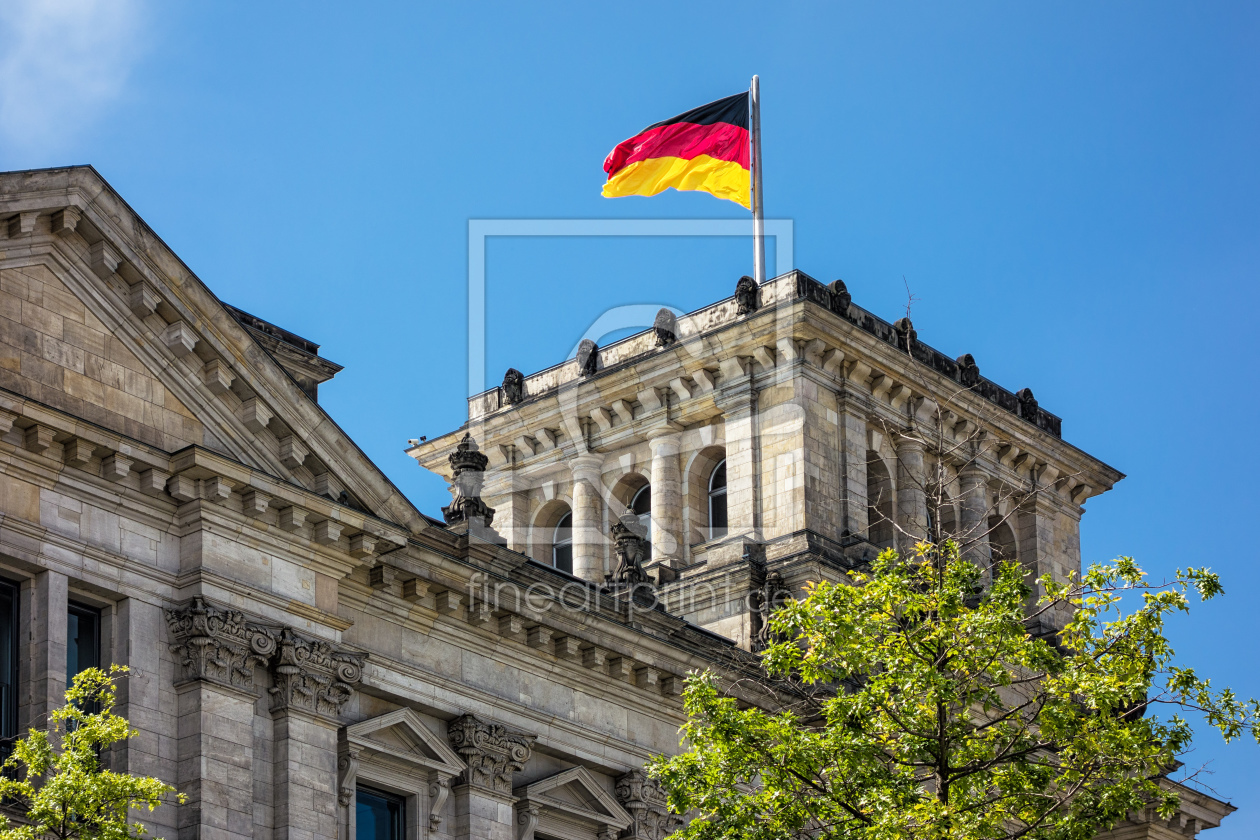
(587, 357)
(630, 552)
(968, 371)
(746, 295)
(513, 386)
(666, 328)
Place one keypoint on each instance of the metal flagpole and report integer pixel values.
(759, 232)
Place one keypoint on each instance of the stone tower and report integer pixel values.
(783, 434)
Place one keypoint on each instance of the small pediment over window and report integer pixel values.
(403, 736)
(575, 796)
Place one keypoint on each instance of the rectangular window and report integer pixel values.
(8, 667)
(379, 815)
(83, 641)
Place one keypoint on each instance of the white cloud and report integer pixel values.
(62, 63)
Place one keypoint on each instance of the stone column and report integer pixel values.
(216, 651)
(483, 796)
(311, 683)
(47, 604)
(667, 501)
(911, 492)
(138, 633)
(742, 474)
(588, 540)
(855, 519)
(973, 529)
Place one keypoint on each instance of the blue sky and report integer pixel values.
(1070, 190)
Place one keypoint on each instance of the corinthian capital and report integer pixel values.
(312, 676)
(642, 796)
(492, 752)
(218, 645)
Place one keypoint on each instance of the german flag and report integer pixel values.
(704, 149)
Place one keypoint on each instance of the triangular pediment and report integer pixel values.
(403, 736)
(102, 321)
(576, 793)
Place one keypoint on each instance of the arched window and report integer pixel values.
(562, 544)
(717, 501)
(641, 506)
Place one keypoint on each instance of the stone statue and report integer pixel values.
(769, 598)
(746, 295)
(840, 297)
(666, 328)
(468, 466)
(627, 532)
(1027, 404)
(587, 357)
(968, 371)
(906, 335)
(513, 386)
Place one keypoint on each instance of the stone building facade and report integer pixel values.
(311, 657)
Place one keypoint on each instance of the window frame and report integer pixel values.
(714, 493)
(401, 831)
(557, 543)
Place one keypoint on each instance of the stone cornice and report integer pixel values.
(194, 474)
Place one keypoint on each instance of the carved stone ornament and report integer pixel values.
(840, 297)
(968, 371)
(587, 357)
(219, 646)
(907, 335)
(643, 798)
(767, 598)
(513, 386)
(666, 328)
(492, 752)
(347, 775)
(746, 295)
(311, 676)
(1027, 404)
(468, 466)
(627, 532)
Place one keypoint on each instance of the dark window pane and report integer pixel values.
(83, 648)
(8, 665)
(642, 501)
(378, 815)
(717, 514)
(718, 482)
(563, 558)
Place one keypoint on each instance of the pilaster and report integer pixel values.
(483, 797)
(738, 404)
(46, 601)
(311, 683)
(216, 652)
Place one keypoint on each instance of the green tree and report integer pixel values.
(914, 702)
(55, 776)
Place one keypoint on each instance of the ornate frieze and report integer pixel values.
(492, 752)
(312, 676)
(219, 646)
(643, 798)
